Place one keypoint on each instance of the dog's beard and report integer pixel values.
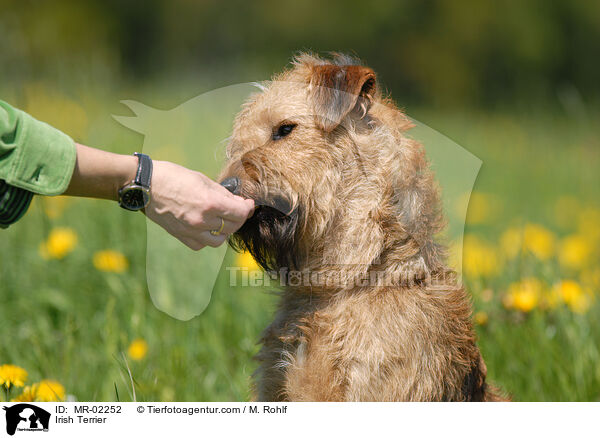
(270, 235)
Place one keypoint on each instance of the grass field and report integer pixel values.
(71, 312)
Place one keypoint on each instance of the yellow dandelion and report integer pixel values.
(60, 242)
(580, 305)
(138, 349)
(12, 375)
(511, 242)
(479, 258)
(539, 241)
(28, 394)
(110, 261)
(245, 260)
(523, 295)
(49, 391)
(481, 318)
(574, 296)
(569, 290)
(575, 252)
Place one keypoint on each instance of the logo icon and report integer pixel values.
(26, 417)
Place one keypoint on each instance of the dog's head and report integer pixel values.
(336, 182)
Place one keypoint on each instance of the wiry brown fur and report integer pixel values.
(348, 192)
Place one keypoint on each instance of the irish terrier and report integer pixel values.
(348, 211)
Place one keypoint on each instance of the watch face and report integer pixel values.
(134, 198)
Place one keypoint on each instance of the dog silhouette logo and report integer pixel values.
(26, 417)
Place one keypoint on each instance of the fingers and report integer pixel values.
(194, 244)
(237, 210)
(193, 238)
(229, 227)
(203, 239)
(231, 207)
(188, 205)
(253, 209)
(211, 240)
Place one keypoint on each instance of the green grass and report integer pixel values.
(65, 320)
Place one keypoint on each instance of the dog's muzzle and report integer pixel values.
(277, 202)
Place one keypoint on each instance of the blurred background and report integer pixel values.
(515, 83)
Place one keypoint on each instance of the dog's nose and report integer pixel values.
(232, 184)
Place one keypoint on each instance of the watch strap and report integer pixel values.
(143, 176)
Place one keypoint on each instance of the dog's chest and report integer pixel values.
(327, 348)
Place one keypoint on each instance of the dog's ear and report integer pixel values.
(338, 90)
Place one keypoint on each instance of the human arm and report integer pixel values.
(185, 203)
(37, 158)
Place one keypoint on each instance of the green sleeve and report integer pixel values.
(34, 158)
(33, 155)
(14, 202)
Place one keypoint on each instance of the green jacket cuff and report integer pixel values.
(43, 160)
(14, 202)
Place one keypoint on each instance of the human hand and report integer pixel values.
(188, 205)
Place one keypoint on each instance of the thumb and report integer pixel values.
(251, 207)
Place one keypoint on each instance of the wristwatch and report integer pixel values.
(136, 194)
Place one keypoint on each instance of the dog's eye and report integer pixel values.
(282, 131)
